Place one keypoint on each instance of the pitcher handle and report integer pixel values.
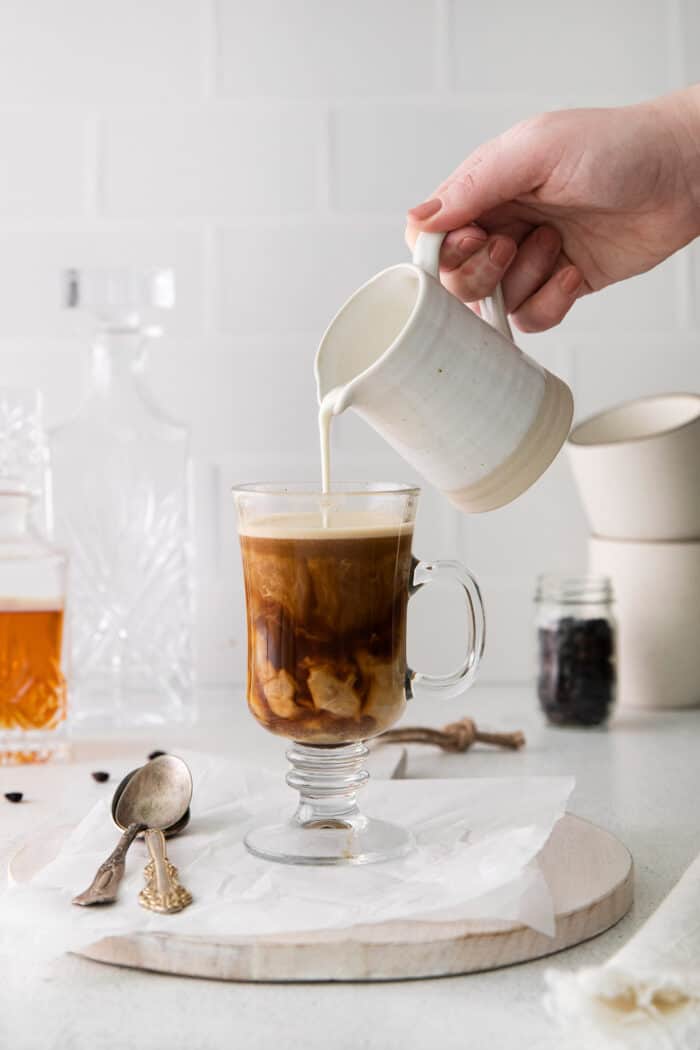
(426, 255)
(454, 682)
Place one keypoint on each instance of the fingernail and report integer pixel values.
(426, 209)
(475, 236)
(570, 280)
(501, 252)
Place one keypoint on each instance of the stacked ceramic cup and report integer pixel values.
(637, 467)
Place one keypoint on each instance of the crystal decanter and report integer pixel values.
(123, 511)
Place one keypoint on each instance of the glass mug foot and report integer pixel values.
(328, 827)
(365, 842)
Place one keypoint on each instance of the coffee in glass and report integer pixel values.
(327, 625)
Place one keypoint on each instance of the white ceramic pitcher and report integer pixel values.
(473, 414)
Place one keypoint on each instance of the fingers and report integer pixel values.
(457, 246)
(478, 275)
(535, 262)
(550, 304)
(471, 262)
(460, 245)
(539, 283)
(515, 163)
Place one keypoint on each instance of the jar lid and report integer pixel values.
(574, 590)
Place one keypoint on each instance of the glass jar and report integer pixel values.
(32, 591)
(576, 634)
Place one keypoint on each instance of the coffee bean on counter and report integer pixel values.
(156, 754)
(576, 683)
(100, 776)
(14, 796)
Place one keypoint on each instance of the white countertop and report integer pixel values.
(640, 779)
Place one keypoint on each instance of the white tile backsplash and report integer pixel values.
(647, 303)
(312, 48)
(277, 279)
(542, 531)
(59, 369)
(210, 161)
(241, 395)
(611, 370)
(509, 655)
(387, 157)
(572, 54)
(267, 151)
(690, 35)
(93, 51)
(43, 170)
(690, 286)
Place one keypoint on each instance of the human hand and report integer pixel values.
(566, 203)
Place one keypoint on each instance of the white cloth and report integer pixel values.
(477, 843)
(647, 997)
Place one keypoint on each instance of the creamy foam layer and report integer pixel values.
(327, 525)
(30, 605)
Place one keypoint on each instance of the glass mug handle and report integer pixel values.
(455, 682)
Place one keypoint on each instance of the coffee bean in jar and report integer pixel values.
(576, 635)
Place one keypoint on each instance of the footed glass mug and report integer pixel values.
(327, 582)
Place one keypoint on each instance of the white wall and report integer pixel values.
(268, 151)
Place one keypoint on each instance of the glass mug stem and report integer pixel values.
(327, 783)
(455, 682)
(328, 827)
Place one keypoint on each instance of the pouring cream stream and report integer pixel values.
(325, 415)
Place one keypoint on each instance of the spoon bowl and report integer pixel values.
(157, 794)
(170, 784)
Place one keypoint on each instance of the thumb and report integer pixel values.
(516, 162)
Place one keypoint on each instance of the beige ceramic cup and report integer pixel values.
(637, 467)
(657, 600)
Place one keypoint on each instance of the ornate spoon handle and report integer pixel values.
(104, 887)
(162, 892)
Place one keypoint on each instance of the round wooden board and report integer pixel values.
(588, 871)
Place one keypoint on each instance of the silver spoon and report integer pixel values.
(155, 796)
(174, 829)
(163, 892)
